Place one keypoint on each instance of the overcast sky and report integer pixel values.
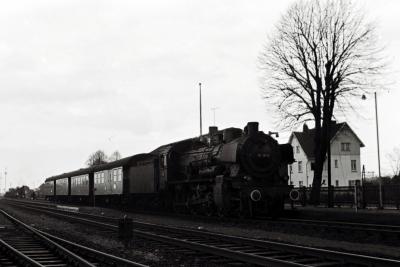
(77, 76)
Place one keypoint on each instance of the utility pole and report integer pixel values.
(5, 180)
(201, 119)
(379, 156)
(214, 109)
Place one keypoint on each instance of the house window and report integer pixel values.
(336, 163)
(300, 183)
(353, 165)
(312, 166)
(337, 182)
(345, 146)
(290, 169)
(297, 149)
(300, 166)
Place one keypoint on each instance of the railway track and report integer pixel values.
(389, 234)
(341, 230)
(23, 245)
(233, 248)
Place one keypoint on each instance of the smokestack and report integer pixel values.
(252, 128)
(201, 119)
(213, 135)
(212, 130)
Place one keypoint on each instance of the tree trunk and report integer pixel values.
(322, 140)
(318, 167)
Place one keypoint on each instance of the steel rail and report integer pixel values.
(367, 227)
(105, 257)
(244, 257)
(51, 244)
(395, 229)
(82, 249)
(308, 251)
(18, 256)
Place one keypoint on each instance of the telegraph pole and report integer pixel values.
(201, 119)
(214, 109)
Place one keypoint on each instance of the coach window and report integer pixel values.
(120, 174)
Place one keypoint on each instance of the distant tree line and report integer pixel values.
(100, 157)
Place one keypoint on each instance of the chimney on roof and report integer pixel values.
(305, 128)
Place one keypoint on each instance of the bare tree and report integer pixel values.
(115, 156)
(97, 158)
(394, 159)
(322, 55)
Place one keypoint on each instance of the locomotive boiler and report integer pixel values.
(228, 172)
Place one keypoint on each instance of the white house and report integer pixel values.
(345, 156)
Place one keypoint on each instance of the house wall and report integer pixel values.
(342, 174)
(306, 175)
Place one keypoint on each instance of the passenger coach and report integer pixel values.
(112, 182)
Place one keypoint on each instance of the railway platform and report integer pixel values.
(349, 214)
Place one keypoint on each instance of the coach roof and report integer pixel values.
(114, 164)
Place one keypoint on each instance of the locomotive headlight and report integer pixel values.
(255, 195)
(247, 178)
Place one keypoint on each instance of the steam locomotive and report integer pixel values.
(225, 172)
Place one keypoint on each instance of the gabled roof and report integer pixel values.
(306, 137)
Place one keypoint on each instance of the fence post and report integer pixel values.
(304, 193)
(355, 197)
